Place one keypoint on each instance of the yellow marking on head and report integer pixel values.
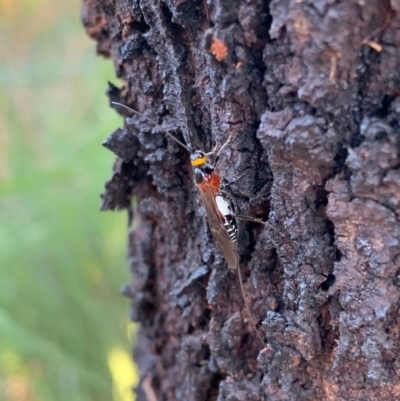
(199, 161)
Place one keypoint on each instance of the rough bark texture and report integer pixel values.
(309, 89)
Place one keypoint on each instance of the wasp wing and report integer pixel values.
(221, 237)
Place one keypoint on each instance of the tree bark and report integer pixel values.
(309, 92)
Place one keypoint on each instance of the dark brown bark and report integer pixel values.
(309, 90)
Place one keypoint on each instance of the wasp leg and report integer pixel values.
(257, 220)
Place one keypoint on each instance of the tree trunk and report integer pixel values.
(308, 91)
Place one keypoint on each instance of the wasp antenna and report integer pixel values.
(251, 317)
(154, 122)
(221, 148)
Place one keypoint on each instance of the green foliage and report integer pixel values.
(62, 262)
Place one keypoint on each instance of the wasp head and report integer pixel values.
(198, 158)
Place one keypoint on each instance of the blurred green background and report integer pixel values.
(64, 330)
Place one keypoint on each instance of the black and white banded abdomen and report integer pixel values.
(227, 212)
